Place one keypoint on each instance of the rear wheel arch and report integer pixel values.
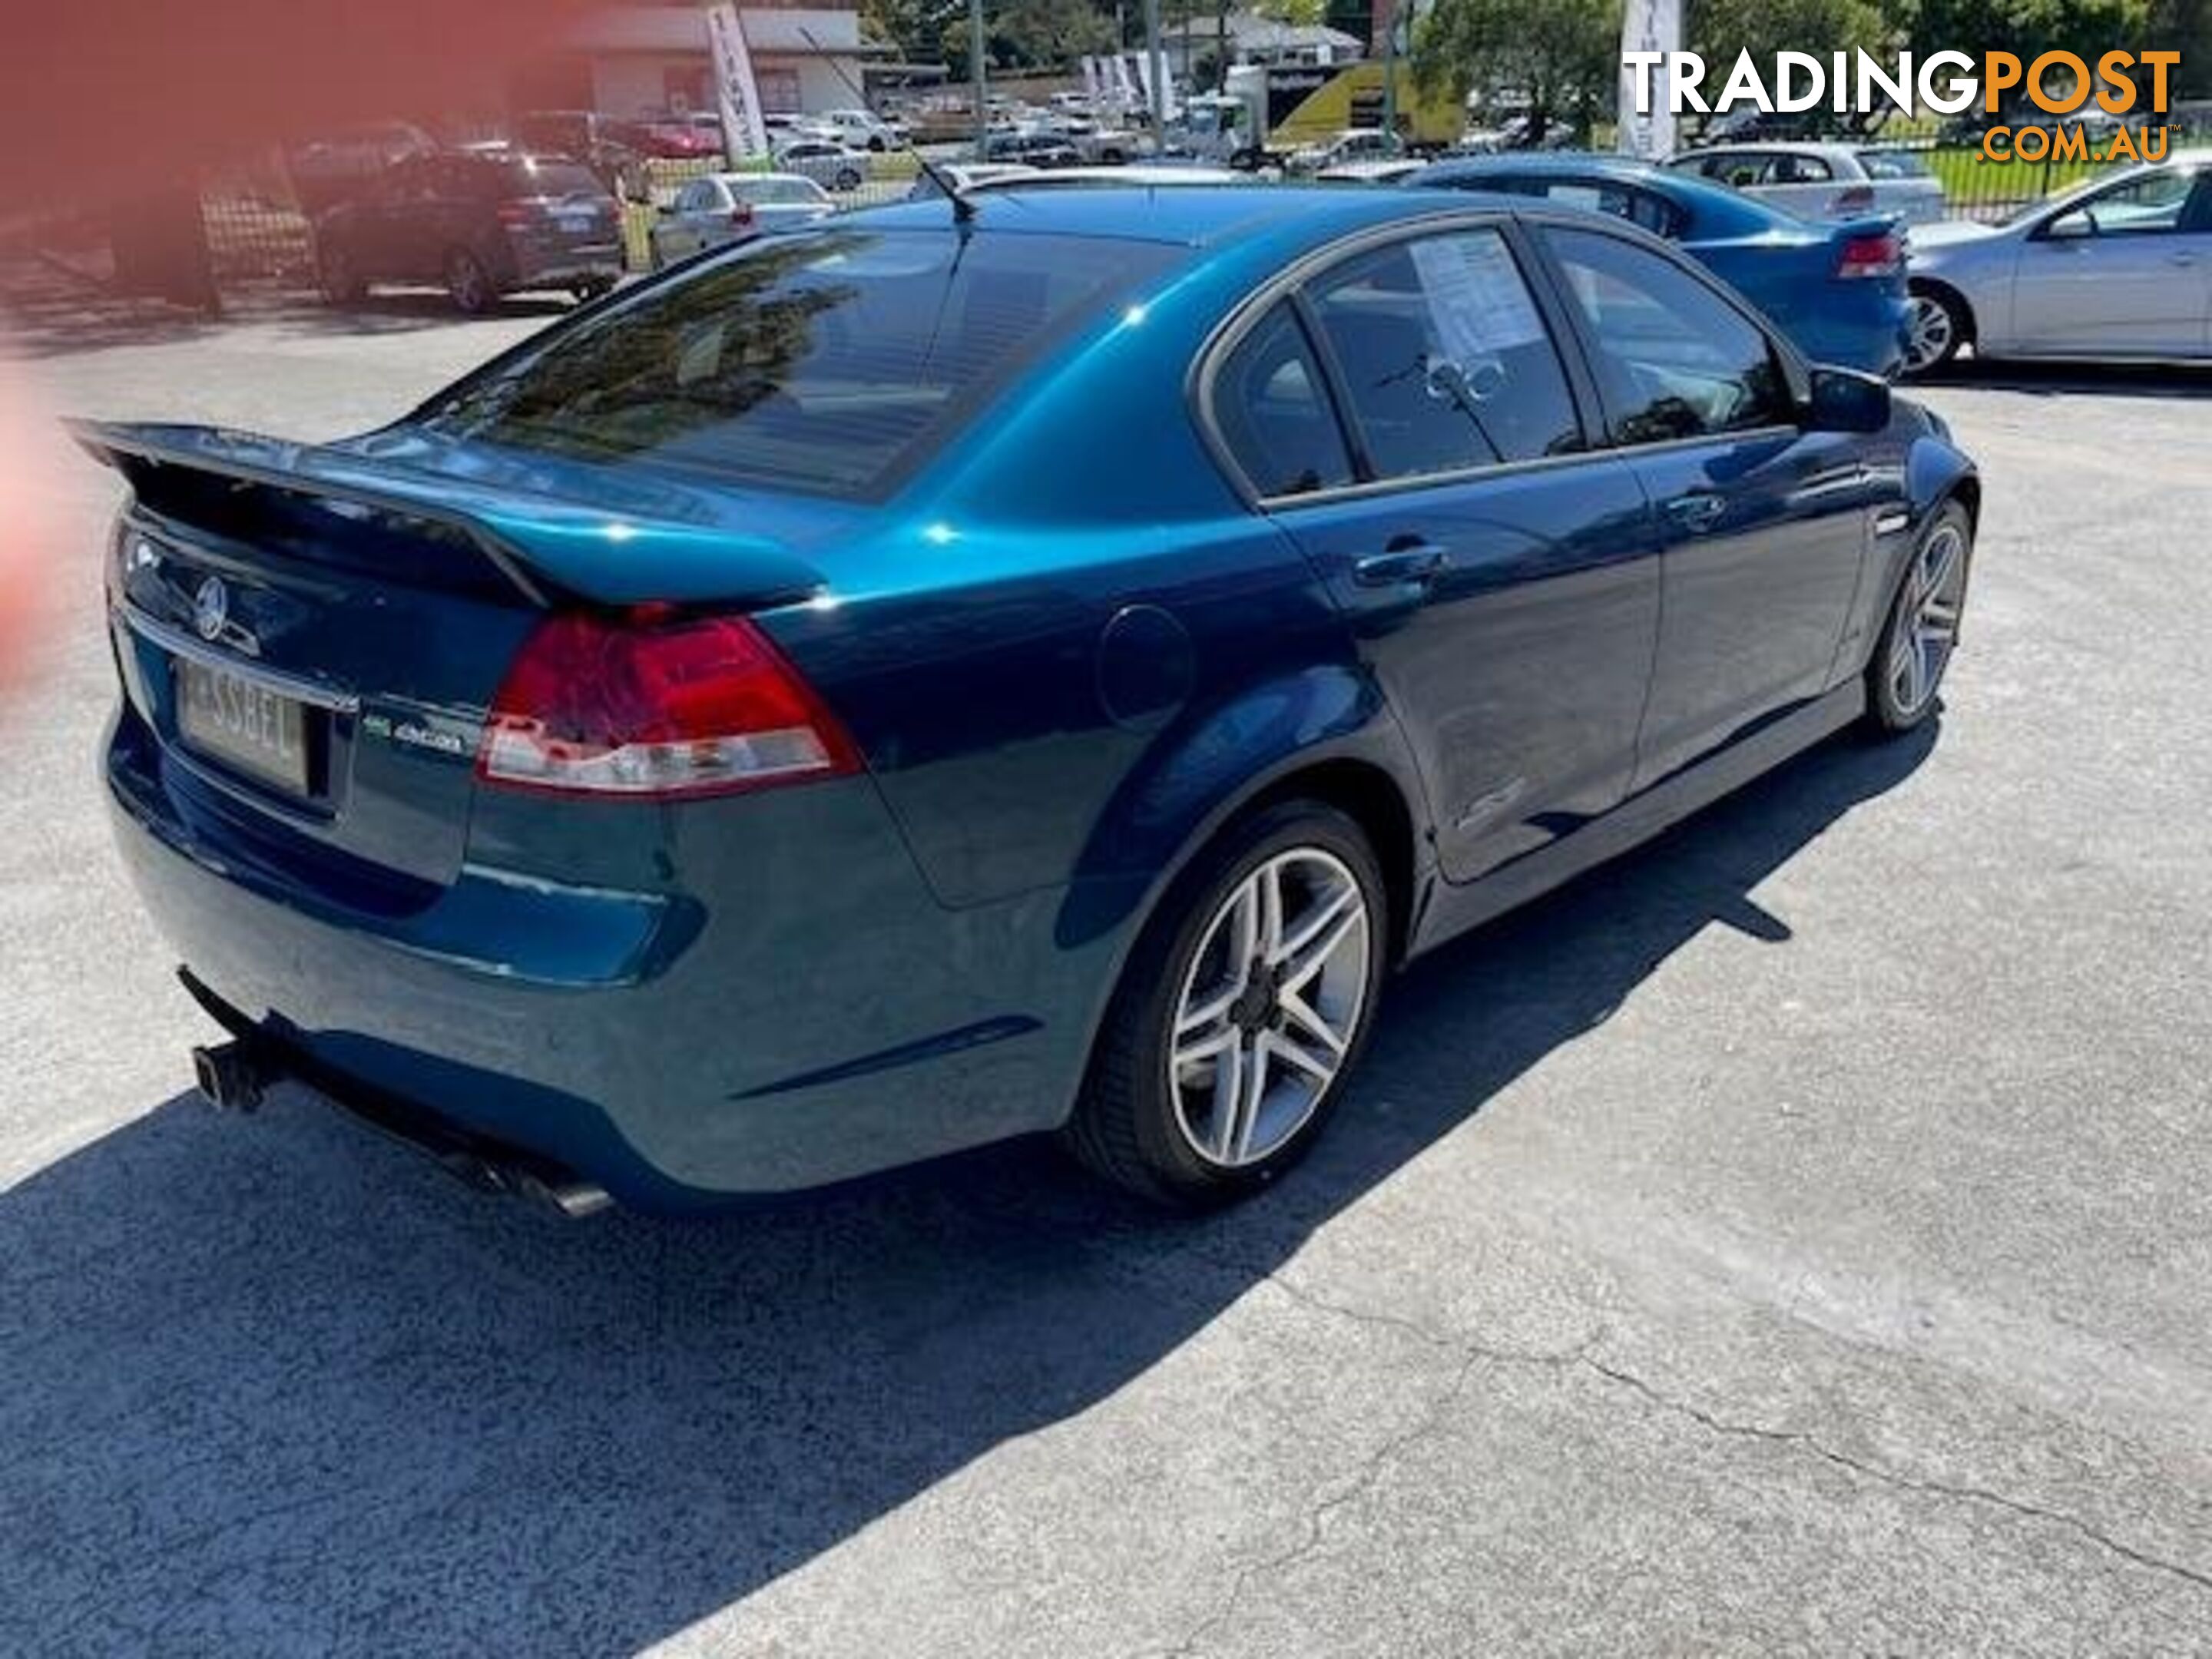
(1951, 297)
(1371, 798)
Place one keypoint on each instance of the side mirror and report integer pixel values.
(1845, 400)
(2071, 227)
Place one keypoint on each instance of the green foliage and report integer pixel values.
(1559, 57)
(1719, 29)
(2031, 26)
(1302, 13)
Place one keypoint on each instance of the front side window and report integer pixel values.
(830, 362)
(2148, 205)
(1446, 360)
(1274, 413)
(1674, 359)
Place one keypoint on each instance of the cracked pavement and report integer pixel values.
(1793, 1239)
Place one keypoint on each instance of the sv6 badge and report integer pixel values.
(413, 734)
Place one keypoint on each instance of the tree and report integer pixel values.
(1719, 30)
(1046, 33)
(1557, 58)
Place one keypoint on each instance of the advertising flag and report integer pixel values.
(736, 95)
(1647, 25)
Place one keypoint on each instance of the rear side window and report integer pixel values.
(831, 363)
(1445, 359)
(1675, 359)
(1639, 207)
(1274, 412)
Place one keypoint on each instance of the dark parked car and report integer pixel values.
(606, 145)
(1836, 289)
(327, 169)
(752, 732)
(482, 222)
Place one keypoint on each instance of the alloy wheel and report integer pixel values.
(1269, 1007)
(1927, 626)
(1930, 332)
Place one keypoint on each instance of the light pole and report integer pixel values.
(1390, 8)
(975, 69)
(1158, 87)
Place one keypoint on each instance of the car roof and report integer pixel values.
(1191, 215)
(1717, 209)
(1774, 146)
(735, 179)
(1135, 175)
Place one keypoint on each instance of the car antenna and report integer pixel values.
(963, 211)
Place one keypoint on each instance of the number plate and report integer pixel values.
(239, 721)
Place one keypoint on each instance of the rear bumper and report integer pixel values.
(562, 266)
(801, 1027)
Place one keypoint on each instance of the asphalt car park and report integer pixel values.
(1790, 1238)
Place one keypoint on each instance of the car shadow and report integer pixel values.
(47, 318)
(2100, 379)
(282, 1386)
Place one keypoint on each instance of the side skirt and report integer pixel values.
(1451, 910)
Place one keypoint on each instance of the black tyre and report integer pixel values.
(847, 179)
(1905, 672)
(1936, 326)
(1240, 1013)
(597, 288)
(340, 279)
(468, 284)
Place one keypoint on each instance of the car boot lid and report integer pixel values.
(549, 545)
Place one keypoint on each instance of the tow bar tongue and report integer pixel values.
(235, 1077)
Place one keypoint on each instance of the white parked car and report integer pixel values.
(1355, 145)
(730, 207)
(1372, 172)
(1824, 180)
(2120, 268)
(965, 176)
(826, 162)
(863, 129)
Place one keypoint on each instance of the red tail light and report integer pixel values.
(1853, 198)
(516, 213)
(1879, 255)
(644, 705)
(742, 214)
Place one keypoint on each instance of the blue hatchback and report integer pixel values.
(1837, 289)
(964, 670)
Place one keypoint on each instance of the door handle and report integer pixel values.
(1701, 509)
(1417, 561)
(2181, 258)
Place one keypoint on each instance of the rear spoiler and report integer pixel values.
(546, 545)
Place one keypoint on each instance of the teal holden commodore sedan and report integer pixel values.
(979, 668)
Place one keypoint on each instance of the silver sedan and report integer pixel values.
(729, 207)
(2119, 269)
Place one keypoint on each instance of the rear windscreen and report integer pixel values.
(832, 362)
(775, 189)
(539, 176)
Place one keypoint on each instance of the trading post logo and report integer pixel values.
(2062, 85)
